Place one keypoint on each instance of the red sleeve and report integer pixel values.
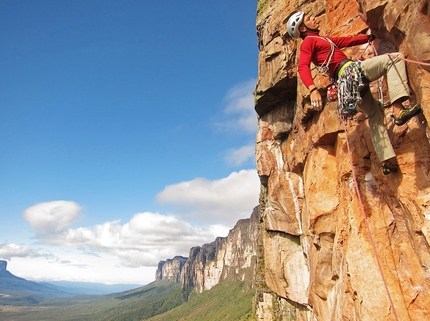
(342, 42)
(315, 49)
(305, 59)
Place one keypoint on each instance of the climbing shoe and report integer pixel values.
(389, 167)
(405, 114)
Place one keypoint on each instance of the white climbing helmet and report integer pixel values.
(293, 24)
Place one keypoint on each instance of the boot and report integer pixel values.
(405, 114)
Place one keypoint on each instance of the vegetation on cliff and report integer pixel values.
(262, 6)
(225, 301)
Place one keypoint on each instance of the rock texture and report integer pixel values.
(328, 254)
(227, 258)
(170, 269)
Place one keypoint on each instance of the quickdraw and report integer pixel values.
(349, 84)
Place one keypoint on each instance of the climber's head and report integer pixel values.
(300, 23)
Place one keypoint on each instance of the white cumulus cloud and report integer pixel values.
(219, 201)
(8, 251)
(61, 249)
(237, 157)
(76, 266)
(143, 241)
(52, 217)
(239, 113)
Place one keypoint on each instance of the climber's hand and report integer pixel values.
(371, 37)
(316, 99)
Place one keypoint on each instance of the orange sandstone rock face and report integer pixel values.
(321, 256)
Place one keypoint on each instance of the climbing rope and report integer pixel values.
(363, 211)
(380, 80)
(410, 60)
(357, 189)
(392, 55)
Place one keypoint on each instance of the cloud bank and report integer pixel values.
(8, 251)
(143, 241)
(222, 201)
(213, 207)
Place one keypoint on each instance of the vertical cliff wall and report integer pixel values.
(170, 269)
(230, 258)
(319, 262)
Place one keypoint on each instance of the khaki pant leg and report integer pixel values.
(395, 71)
(378, 132)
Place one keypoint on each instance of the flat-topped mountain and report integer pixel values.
(16, 290)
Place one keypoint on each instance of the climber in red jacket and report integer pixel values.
(352, 78)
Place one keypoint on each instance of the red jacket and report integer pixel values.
(316, 50)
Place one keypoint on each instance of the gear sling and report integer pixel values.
(348, 80)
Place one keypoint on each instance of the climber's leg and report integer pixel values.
(393, 67)
(378, 132)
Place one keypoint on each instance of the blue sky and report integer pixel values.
(127, 133)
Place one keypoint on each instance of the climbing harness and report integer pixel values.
(349, 83)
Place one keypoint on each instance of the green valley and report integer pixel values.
(160, 300)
